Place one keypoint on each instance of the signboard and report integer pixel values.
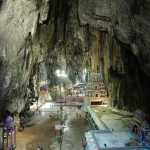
(58, 127)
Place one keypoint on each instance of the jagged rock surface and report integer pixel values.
(19, 20)
(74, 35)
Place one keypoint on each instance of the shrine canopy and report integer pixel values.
(9, 122)
(100, 124)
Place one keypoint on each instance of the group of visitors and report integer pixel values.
(78, 115)
(51, 105)
(39, 148)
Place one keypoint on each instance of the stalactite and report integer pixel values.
(110, 31)
(135, 6)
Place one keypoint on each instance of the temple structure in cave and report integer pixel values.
(96, 92)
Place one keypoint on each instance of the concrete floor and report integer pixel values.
(115, 120)
(40, 131)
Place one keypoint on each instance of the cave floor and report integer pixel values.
(40, 131)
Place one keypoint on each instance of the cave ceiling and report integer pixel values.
(37, 37)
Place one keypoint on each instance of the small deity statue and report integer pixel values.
(139, 114)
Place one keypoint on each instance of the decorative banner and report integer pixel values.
(101, 74)
(91, 142)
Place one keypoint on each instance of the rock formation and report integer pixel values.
(37, 37)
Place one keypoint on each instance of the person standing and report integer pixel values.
(76, 114)
(80, 115)
(38, 148)
(57, 111)
(39, 111)
(65, 114)
(41, 148)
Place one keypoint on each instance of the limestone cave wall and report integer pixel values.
(72, 35)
